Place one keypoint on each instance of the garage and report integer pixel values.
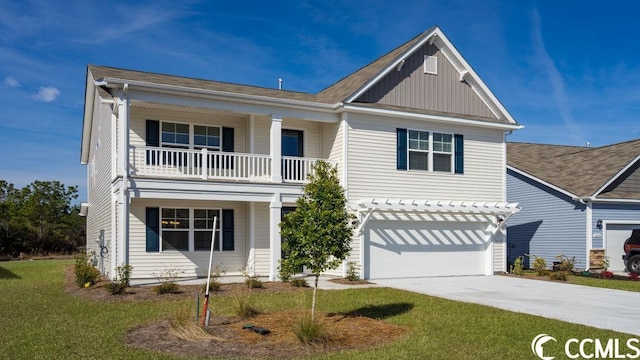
(395, 249)
(615, 235)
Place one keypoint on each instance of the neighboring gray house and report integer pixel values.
(417, 137)
(574, 200)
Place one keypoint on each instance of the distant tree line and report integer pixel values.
(40, 219)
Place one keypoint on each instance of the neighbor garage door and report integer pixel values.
(614, 240)
(394, 249)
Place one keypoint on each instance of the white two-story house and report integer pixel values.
(417, 137)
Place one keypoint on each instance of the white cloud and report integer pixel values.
(47, 94)
(11, 81)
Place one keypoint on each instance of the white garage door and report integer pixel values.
(614, 242)
(394, 249)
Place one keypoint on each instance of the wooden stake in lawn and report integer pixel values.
(205, 307)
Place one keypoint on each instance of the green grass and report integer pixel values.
(39, 321)
(605, 283)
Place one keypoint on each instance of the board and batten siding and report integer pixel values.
(373, 173)
(99, 177)
(549, 224)
(149, 265)
(411, 87)
(611, 212)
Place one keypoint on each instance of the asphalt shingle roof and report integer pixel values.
(576, 169)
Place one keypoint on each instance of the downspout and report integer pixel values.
(125, 174)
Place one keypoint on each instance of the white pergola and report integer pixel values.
(501, 211)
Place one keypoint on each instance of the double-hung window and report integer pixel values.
(203, 229)
(175, 135)
(430, 151)
(418, 150)
(206, 137)
(175, 226)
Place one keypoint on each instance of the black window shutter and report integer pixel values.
(153, 229)
(227, 139)
(153, 133)
(459, 153)
(402, 149)
(227, 230)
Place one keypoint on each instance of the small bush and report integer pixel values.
(634, 277)
(253, 283)
(214, 285)
(308, 331)
(558, 275)
(353, 273)
(123, 274)
(85, 273)
(242, 305)
(607, 274)
(539, 265)
(299, 282)
(518, 266)
(566, 263)
(167, 288)
(116, 288)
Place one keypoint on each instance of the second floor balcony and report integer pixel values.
(210, 165)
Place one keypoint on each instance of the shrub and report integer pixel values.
(634, 277)
(518, 266)
(539, 265)
(167, 279)
(558, 275)
(216, 273)
(605, 263)
(116, 288)
(253, 283)
(308, 331)
(85, 273)
(299, 282)
(167, 288)
(607, 274)
(242, 305)
(566, 263)
(214, 285)
(353, 273)
(123, 274)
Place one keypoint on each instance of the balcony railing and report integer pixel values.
(215, 165)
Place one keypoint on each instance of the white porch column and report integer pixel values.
(124, 196)
(251, 261)
(276, 148)
(275, 216)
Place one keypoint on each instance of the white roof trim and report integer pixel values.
(438, 118)
(549, 185)
(616, 176)
(439, 206)
(437, 37)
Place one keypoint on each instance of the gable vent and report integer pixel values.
(430, 65)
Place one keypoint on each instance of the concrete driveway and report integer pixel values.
(602, 308)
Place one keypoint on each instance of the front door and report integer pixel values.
(292, 146)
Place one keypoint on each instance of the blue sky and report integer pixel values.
(567, 70)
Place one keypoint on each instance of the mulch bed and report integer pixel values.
(343, 281)
(347, 331)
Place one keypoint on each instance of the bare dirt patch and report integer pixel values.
(347, 332)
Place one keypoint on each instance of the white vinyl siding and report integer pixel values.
(332, 144)
(148, 265)
(99, 189)
(262, 252)
(375, 138)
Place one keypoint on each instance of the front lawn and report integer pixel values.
(39, 320)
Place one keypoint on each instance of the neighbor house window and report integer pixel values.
(175, 226)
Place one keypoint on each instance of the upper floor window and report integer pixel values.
(430, 151)
(175, 135)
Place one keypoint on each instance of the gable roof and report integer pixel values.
(581, 171)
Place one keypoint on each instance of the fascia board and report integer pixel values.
(87, 119)
(427, 117)
(538, 180)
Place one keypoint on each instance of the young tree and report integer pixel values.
(317, 234)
